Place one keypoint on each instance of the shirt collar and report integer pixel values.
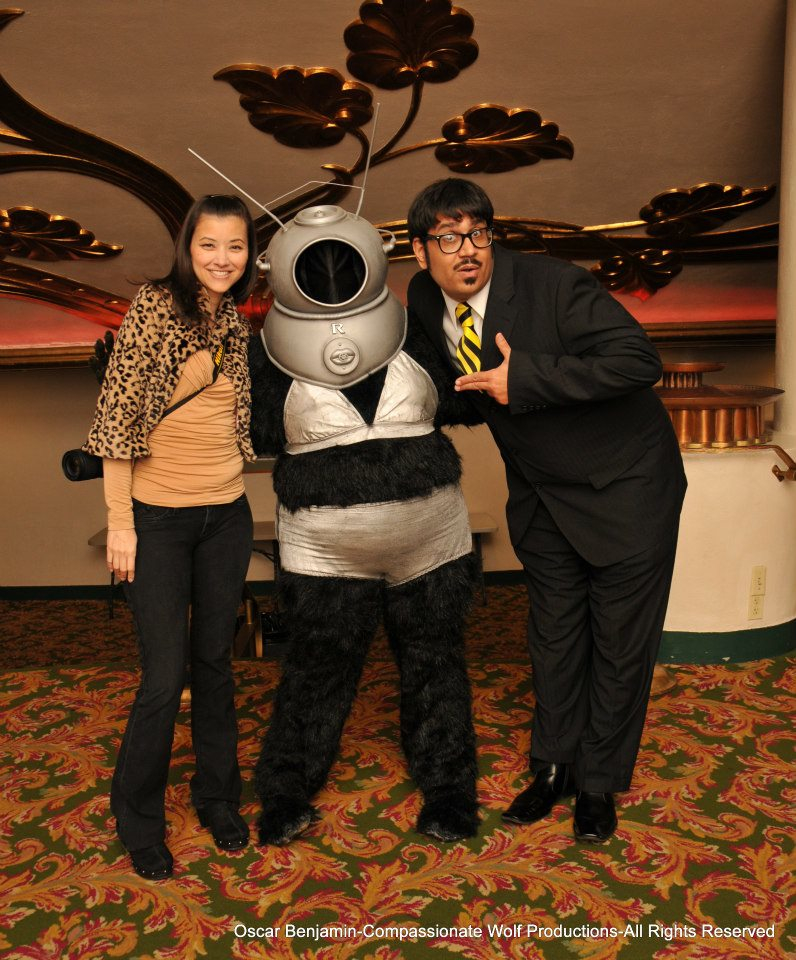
(477, 301)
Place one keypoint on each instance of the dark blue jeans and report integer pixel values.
(188, 558)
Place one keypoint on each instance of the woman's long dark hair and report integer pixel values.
(181, 279)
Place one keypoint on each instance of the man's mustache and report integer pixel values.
(469, 262)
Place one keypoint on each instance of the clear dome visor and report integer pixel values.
(330, 272)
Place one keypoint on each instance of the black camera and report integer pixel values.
(78, 465)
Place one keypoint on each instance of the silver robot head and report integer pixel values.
(333, 321)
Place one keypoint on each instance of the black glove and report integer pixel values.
(102, 355)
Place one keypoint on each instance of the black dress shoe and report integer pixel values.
(595, 816)
(551, 784)
(228, 827)
(153, 863)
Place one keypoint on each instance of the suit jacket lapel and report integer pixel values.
(501, 312)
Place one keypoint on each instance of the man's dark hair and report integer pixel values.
(451, 197)
(181, 279)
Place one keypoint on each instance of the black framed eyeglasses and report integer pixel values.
(452, 242)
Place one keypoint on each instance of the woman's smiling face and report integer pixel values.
(219, 254)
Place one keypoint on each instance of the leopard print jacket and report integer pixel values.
(145, 364)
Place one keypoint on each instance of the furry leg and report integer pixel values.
(331, 621)
(425, 624)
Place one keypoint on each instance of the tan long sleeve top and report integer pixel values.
(194, 457)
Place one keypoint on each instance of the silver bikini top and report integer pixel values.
(319, 417)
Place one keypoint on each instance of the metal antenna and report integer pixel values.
(323, 183)
(273, 216)
(367, 162)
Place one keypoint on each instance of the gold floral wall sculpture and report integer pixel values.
(394, 49)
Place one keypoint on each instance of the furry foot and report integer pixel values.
(449, 820)
(283, 819)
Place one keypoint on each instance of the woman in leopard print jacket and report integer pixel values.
(179, 525)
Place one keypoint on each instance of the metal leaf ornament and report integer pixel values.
(683, 212)
(37, 235)
(639, 273)
(490, 138)
(314, 107)
(9, 14)
(399, 42)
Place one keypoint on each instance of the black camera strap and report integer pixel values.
(218, 360)
(78, 465)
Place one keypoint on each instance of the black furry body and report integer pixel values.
(333, 619)
(356, 473)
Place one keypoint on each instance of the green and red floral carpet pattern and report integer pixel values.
(705, 837)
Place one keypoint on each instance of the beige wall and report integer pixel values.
(736, 517)
(46, 520)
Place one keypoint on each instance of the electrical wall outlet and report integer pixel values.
(755, 608)
(757, 587)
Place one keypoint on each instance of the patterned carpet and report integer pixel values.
(40, 633)
(704, 844)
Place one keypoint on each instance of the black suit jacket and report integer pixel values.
(583, 430)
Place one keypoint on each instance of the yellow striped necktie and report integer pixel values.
(468, 352)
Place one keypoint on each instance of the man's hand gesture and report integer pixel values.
(495, 382)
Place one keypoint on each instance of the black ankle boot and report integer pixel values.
(225, 823)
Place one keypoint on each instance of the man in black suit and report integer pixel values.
(563, 375)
